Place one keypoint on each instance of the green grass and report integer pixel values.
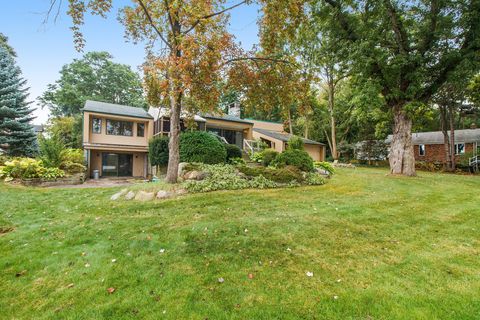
(387, 247)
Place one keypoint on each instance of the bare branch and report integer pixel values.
(213, 15)
(145, 10)
(50, 9)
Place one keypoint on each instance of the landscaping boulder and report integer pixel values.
(130, 195)
(181, 168)
(117, 195)
(144, 196)
(181, 192)
(323, 172)
(195, 175)
(162, 194)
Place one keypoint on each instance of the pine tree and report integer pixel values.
(17, 137)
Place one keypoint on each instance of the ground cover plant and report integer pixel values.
(364, 246)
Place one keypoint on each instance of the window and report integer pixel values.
(96, 125)
(460, 148)
(140, 129)
(421, 149)
(166, 125)
(119, 128)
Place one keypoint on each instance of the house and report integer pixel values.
(115, 137)
(429, 146)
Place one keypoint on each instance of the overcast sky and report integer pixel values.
(42, 49)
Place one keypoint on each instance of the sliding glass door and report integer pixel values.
(117, 164)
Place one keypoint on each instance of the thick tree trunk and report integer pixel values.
(452, 138)
(174, 142)
(402, 158)
(446, 140)
(333, 126)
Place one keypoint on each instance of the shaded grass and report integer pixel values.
(387, 247)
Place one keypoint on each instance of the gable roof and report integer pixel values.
(436, 137)
(116, 109)
(164, 112)
(282, 136)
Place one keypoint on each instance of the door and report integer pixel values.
(117, 164)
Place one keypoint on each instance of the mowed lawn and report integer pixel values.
(379, 247)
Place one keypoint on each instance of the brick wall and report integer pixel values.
(436, 152)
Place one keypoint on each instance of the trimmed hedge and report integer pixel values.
(201, 146)
(233, 151)
(297, 158)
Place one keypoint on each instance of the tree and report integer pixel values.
(17, 137)
(408, 49)
(188, 50)
(94, 77)
(68, 128)
(5, 45)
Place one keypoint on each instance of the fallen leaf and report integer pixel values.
(162, 250)
(70, 285)
(309, 274)
(21, 273)
(111, 290)
(114, 260)
(250, 276)
(221, 280)
(335, 297)
(87, 265)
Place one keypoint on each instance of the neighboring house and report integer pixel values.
(429, 146)
(115, 137)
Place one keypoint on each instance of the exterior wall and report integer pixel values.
(316, 151)
(436, 152)
(138, 166)
(277, 145)
(103, 138)
(272, 126)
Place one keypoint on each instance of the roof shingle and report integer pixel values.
(283, 136)
(116, 109)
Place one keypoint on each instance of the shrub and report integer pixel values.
(327, 166)
(52, 151)
(52, 173)
(201, 146)
(158, 151)
(257, 157)
(298, 158)
(269, 155)
(237, 161)
(314, 179)
(282, 175)
(73, 156)
(233, 151)
(28, 168)
(295, 143)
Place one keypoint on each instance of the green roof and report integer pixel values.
(283, 136)
(116, 109)
(226, 117)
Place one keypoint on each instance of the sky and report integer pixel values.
(43, 48)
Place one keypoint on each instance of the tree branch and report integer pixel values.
(256, 59)
(429, 37)
(213, 15)
(397, 27)
(145, 10)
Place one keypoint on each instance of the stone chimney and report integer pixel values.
(234, 109)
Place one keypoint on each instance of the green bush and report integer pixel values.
(27, 168)
(201, 146)
(158, 151)
(237, 161)
(233, 151)
(327, 166)
(269, 155)
(52, 151)
(297, 158)
(73, 156)
(52, 173)
(314, 179)
(257, 157)
(282, 175)
(295, 143)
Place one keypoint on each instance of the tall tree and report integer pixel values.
(409, 49)
(93, 77)
(17, 137)
(4, 43)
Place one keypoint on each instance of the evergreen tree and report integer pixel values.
(17, 137)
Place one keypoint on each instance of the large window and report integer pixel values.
(96, 125)
(119, 128)
(421, 149)
(460, 148)
(140, 129)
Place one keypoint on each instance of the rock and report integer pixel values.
(181, 168)
(130, 195)
(162, 194)
(195, 175)
(323, 172)
(117, 195)
(144, 196)
(181, 192)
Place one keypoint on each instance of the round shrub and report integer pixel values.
(269, 156)
(282, 175)
(158, 151)
(297, 158)
(295, 143)
(233, 151)
(201, 146)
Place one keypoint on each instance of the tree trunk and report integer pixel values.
(290, 125)
(306, 128)
(446, 140)
(331, 110)
(402, 158)
(174, 142)
(452, 138)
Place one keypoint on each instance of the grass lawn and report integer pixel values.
(379, 247)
